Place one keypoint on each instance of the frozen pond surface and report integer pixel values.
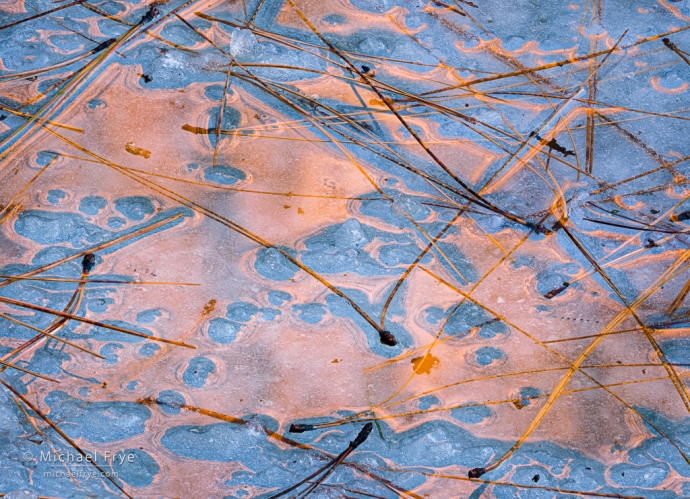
(463, 222)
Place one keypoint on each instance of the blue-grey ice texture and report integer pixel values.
(379, 238)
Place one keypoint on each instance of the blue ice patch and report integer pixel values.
(97, 421)
(48, 227)
(241, 311)
(148, 350)
(311, 313)
(273, 265)
(147, 316)
(226, 175)
(135, 207)
(486, 356)
(170, 401)
(223, 331)
(56, 195)
(198, 371)
(135, 467)
(472, 415)
(91, 205)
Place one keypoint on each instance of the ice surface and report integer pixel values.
(461, 221)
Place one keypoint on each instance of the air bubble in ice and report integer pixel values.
(243, 43)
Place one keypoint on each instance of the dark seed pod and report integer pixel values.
(300, 428)
(538, 228)
(557, 291)
(88, 263)
(680, 216)
(367, 71)
(104, 45)
(148, 17)
(387, 338)
(363, 434)
(476, 472)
